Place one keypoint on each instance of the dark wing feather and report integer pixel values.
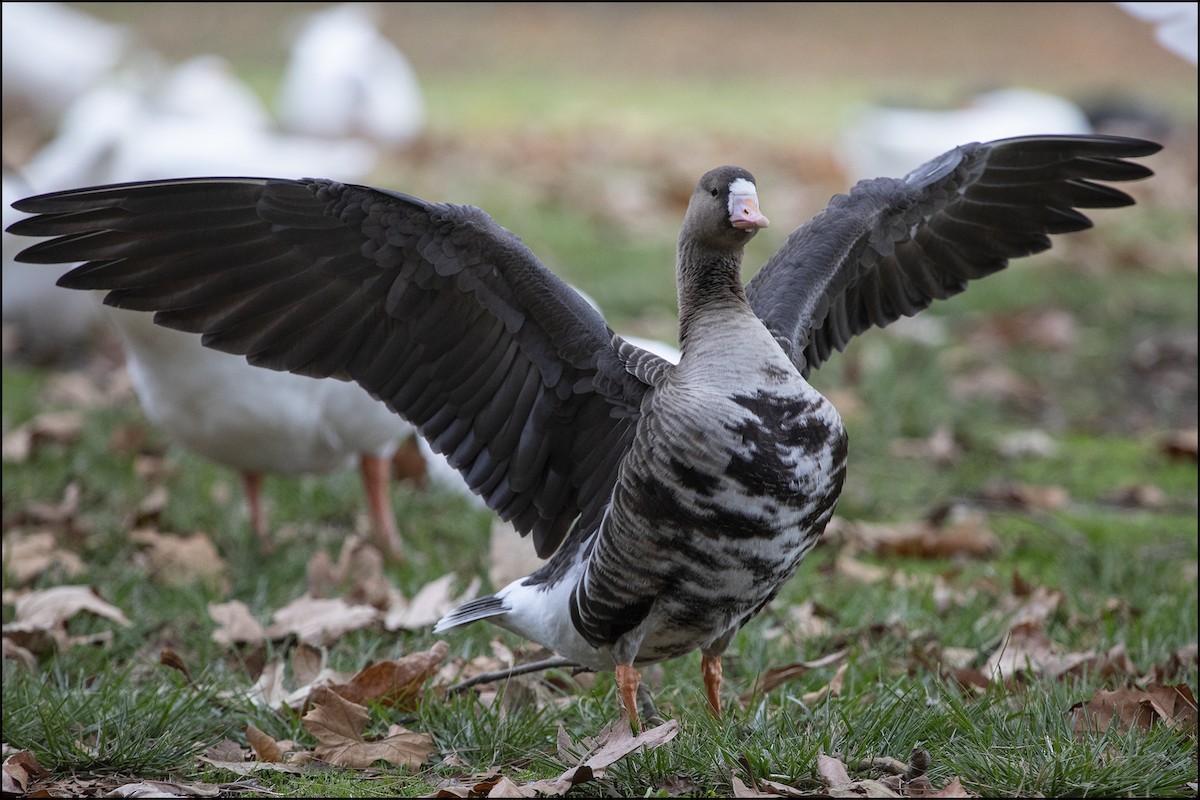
(434, 309)
(891, 247)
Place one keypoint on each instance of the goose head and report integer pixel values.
(723, 213)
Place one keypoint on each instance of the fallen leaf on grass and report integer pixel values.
(165, 789)
(777, 675)
(1137, 495)
(1027, 648)
(921, 539)
(19, 771)
(1027, 497)
(1180, 660)
(338, 725)
(940, 447)
(431, 603)
(52, 427)
(1181, 444)
(831, 689)
(357, 576)
(28, 556)
(40, 617)
(839, 784)
(265, 747)
(612, 744)
(1131, 708)
(320, 621)
(16, 652)
(180, 561)
(742, 790)
(395, 684)
(247, 768)
(235, 624)
(63, 515)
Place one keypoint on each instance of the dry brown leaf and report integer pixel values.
(952, 789)
(320, 621)
(63, 514)
(16, 652)
(967, 537)
(41, 617)
(52, 427)
(338, 725)
(19, 771)
(265, 747)
(1028, 648)
(995, 382)
(1027, 606)
(1026, 496)
(357, 576)
(268, 691)
(478, 786)
(614, 742)
(308, 663)
(1180, 660)
(1181, 444)
(165, 789)
(831, 689)
(28, 556)
(506, 787)
(850, 567)
(742, 790)
(1137, 495)
(778, 675)
(246, 768)
(1133, 708)
(227, 750)
(181, 560)
(432, 602)
(781, 789)
(236, 625)
(395, 684)
(940, 447)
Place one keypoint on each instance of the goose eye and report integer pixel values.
(713, 192)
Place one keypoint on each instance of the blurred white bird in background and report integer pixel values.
(54, 53)
(1175, 25)
(344, 78)
(142, 119)
(891, 141)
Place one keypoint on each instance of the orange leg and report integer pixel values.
(710, 668)
(252, 485)
(375, 474)
(628, 681)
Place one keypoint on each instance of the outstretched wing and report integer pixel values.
(891, 247)
(434, 309)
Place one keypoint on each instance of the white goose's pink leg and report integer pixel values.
(375, 474)
(252, 483)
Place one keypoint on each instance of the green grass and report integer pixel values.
(114, 711)
(95, 710)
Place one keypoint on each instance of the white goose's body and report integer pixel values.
(252, 419)
(672, 501)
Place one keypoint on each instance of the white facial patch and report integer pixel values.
(741, 188)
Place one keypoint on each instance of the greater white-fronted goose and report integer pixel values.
(673, 501)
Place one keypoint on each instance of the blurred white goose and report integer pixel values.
(884, 140)
(52, 54)
(198, 116)
(344, 78)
